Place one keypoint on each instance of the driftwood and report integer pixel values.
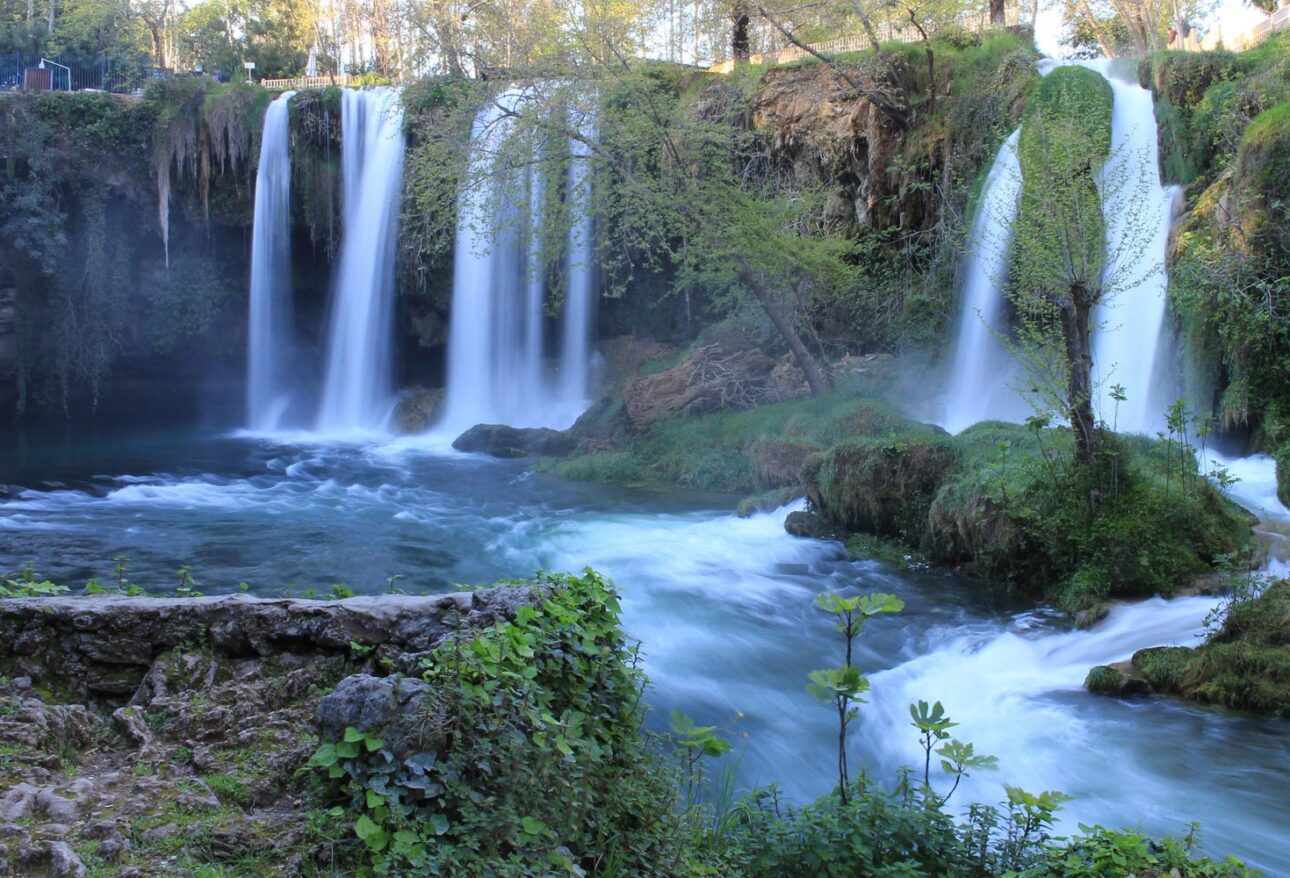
(712, 378)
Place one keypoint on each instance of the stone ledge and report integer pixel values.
(102, 646)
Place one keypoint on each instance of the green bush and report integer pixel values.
(1107, 853)
(545, 766)
(1005, 501)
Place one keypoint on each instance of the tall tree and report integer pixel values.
(1061, 268)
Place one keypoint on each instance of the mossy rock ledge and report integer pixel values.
(1244, 665)
(151, 736)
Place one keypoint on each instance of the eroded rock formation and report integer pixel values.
(140, 731)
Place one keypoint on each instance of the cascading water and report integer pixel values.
(495, 346)
(983, 369)
(579, 301)
(267, 323)
(356, 389)
(1138, 212)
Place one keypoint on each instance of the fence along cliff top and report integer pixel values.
(890, 30)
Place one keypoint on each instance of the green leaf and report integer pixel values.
(364, 828)
(324, 756)
(439, 823)
(353, 735)
(532, 826)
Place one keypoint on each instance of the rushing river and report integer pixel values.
(722, 605)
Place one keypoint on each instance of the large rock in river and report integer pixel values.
(499, 440)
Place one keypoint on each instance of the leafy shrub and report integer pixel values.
(1006, 501)
(1107, 853)
(545, 766)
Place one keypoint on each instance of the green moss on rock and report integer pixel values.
(1104, 680)
(884, 485)
(1245, 665)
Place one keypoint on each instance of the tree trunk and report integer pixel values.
(815, 376)
(997, 13)
(51, 15)
(1076, 332)
(1102, 41)
(740, 44)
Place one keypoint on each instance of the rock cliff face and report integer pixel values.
(824, 135)
(147, 733)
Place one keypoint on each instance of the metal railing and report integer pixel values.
(886, 31)
(1278, 20)
(299, 82)
(20, 70)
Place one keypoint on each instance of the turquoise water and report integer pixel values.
(721, 605)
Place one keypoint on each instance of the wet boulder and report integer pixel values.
(499, 440)
(417, 408)
(810, 525)
(1119, 679)
(395, 709)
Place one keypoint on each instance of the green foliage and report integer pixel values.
(78, 183)
(1065, 139)
(186, 300)
(26, 584)
(884, 485)
(844, 686)
(732, 450)
(957, 758)
(907, 832)
(438, 113)
(1245, 663)
(1007, 502)
(1107, 853)
(1227, 282)
(542, 765)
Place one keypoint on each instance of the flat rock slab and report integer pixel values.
(101, 646)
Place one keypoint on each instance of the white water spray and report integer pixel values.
(267, 325)
(579, 301)
(357, 388)
(1130, 322)
(496, 371)
(1138, 212)
(983, 369)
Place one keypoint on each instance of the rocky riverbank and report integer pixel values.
(147, 736)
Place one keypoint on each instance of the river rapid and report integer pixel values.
(722, 605)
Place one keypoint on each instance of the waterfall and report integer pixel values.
(1138, 211)
(1129, 323)
(982, 369)
(496, 371)
(356, 389)
(579, 299)
(267, 320)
